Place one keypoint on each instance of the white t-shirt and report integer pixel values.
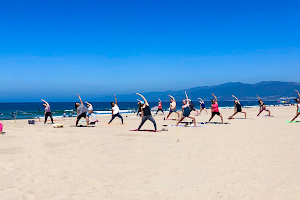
(115, 109)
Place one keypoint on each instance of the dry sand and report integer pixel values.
(247, 159)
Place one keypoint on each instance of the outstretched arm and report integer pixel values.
(45, 101)
(159, 99)
(187, 99)
(236, 98)
(258, 97)
(298, 93)
(79, 98)
(172, 97)
(116, 102)
(146, 102)
(88, 103)
(201, 101)
(214, 97)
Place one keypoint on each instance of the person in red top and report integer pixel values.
(215, 108)
(159, 106)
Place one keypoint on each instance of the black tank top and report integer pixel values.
(146, 111)
(238, 107)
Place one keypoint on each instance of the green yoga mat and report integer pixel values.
(292, 122)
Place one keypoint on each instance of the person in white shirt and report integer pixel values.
(90, 111)
(115, 111)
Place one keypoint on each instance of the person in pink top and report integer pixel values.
(215, 108)
(1, 129)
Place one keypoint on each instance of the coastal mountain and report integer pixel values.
(267, 90)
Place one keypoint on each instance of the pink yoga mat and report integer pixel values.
(1, 127)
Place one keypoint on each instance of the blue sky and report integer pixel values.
(55, 49)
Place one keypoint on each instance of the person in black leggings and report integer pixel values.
(159, 106)
(139, 109)
(146, 113)
(47, 111)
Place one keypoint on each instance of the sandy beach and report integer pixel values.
(254, 158)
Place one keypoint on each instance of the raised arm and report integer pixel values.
(159, 99)
(146, 102)
(79, 98)
(214, 97)
(88, 103)
(172, 97)
(236, 98)
(298, 93)
(201, 101)
(45, 101)
(116, 102)
(187, 99)
(258, 97)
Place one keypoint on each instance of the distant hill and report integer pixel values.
(267, 90)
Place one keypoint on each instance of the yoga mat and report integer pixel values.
(213, 123)
(240, 118)
(265, 116)
(81, 126)
(150, 130)
(185, 126)
(292, 122)
(113, 124)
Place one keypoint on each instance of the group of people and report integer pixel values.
(145, 111)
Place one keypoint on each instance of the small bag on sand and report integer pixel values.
(31, 121)
(58, 125)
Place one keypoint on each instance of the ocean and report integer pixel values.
(31, 110)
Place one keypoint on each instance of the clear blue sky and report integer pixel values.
(53, 49)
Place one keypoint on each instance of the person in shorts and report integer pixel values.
(262, 107)
(186, 111)
(237, 108)
(298, 107)
(90, 111)
(215, 109)
(172, 107)
(202, 106)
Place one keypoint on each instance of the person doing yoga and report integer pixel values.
(237, 108)
(1, 129)
(115, 111)
(186, 111)
(81, 111)
(172, 107)
(90, 111)
(192, 107)
(159, 106)
(202, 106)
(262, 106)
(146, 113)
(215, 108)
(139, 108)
(298, 107)
(47, 111)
